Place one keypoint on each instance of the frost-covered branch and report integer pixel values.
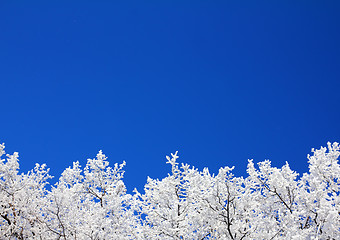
(92, 202)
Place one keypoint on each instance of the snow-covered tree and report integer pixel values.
(92, 202)
(21, 199)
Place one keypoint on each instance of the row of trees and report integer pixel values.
(92, 203)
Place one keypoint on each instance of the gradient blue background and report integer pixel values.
(219, 81)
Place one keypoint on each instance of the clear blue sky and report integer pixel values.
(219, 81)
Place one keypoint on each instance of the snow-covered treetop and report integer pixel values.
(92, 202)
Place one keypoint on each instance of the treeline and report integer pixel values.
(92, 203)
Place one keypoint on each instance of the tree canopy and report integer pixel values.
(91, 202)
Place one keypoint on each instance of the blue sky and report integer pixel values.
(219, 81)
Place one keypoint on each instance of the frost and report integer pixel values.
(92, 203)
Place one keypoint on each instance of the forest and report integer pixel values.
(91, 202)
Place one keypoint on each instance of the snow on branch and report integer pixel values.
(91, 202)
